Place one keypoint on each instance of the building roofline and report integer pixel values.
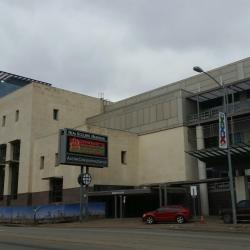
(133, 99)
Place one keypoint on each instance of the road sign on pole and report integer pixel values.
(193, 191)
(85, 179)
(81, 196)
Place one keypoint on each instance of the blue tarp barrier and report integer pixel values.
(48, 213)
(16, 214)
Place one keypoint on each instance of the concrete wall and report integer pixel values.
(151, 158)
(35, 103)
(162, 157)
(73, 109)
(115, 174)
(160, 112)
(17, 130)
(161, 108)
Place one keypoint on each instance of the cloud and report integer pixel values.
(119, 47)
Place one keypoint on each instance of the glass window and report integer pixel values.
(17, 115)
(14, 179)
(162, 209)
(42, 159)
(238, 137)
(56, 189)
(15, 149)
(56, 160)
(242, 204)
(2, 176)
(3, 121)
(55, 114)
(124, 157)
(3, 153)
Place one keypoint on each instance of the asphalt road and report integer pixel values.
(109, 239)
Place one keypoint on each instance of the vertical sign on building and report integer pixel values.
(222, 131)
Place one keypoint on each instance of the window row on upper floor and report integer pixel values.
(4, 118)
(55, 116)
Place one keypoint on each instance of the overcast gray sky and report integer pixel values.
(120, 47)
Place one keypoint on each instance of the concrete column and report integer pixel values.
(7, 178)
(241, 187)
(165, 195)
(115, 205)
(121, 207)
(160, 196)
(202, 173)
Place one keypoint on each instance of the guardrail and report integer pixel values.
(218, 187)
(213, 112)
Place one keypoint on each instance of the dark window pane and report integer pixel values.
(2, 177)
(17, 115)
(2, 153)
(56, 189)
(14, 180)
(15, 148)
(55, 114)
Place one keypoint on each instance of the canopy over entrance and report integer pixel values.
(215, 154)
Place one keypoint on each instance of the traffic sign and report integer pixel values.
(84, 179)
(193, 191)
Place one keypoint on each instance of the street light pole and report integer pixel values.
(229, 158)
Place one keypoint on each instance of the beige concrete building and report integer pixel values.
(152, 139)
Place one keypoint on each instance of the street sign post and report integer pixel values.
(84, 179)
(193, 192)
(83, 149)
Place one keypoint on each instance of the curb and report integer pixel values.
(192, 227)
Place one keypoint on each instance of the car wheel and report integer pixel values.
(227, 218)
(150, 220)
(180, 219)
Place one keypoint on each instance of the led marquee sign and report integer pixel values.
(83, 148)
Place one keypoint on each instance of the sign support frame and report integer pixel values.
(84, 196)
(81, 197)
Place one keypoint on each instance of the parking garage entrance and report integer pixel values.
(124, 203)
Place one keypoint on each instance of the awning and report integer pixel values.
(52, 178)
(121, 192)
(238, 151)
(175, 184)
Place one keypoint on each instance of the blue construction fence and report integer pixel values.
(50, 213)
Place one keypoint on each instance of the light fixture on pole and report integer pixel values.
(226, 143)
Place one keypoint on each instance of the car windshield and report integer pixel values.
(243, 204)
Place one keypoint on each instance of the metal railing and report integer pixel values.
(213, 112)
(218, 187)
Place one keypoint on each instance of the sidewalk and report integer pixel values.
(212, 224)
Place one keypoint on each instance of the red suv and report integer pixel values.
(178, 213)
